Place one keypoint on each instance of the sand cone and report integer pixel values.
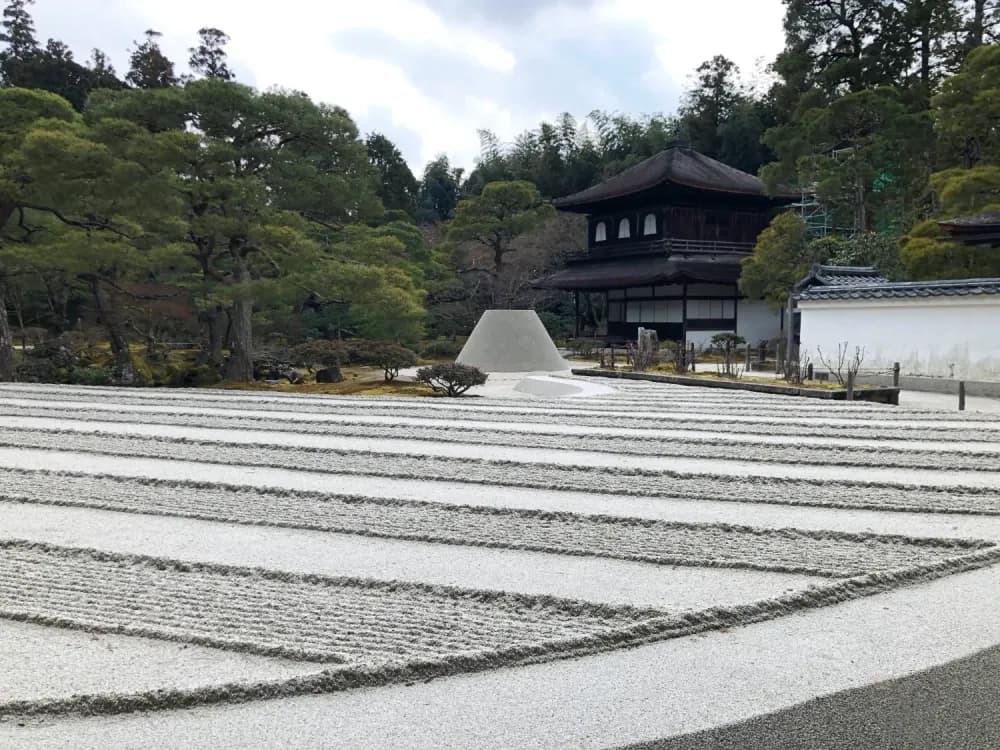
(511, 341)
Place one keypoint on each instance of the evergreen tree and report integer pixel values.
(834, 47)
(924, 37)
(209, 58)
(397, 187)
(268, 180)
(981, 23)
(781, 258)
(967, 109)
(709, 104)
(439, 191)
(18, 31)
(503, 212)
(102, 72)
(149, 67)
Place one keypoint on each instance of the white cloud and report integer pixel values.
(688, 33)
(508, 75)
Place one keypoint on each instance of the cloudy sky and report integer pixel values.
(429, 73)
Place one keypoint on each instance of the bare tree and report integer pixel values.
(845, 366)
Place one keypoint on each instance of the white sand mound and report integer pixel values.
(511, 341)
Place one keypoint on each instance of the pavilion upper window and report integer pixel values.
(624, 229)
(649, 225)
(600, 232)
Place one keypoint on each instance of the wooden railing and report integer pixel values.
(670, 245)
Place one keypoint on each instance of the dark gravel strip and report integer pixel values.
(645, 631)
(820, 553)
(693, 447)
(602, 480)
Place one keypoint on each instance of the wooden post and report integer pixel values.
(576, 307)
(778, 358)
(691, 363)
(850, 386)
(809, 371)
(961, 395)
(746, 365)
(895, 374)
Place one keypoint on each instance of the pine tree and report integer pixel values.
(150, 68)
(397, 187)
(18, 31)
(710, 103)
(209, 57)
(102, 72)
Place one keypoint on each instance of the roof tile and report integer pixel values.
(903, 290)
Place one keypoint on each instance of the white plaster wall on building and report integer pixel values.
(703, 339)
(943, 336)
(757, 321)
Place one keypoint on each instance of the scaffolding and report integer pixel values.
(816, 217)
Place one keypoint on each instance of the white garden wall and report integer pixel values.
(757, 321)
(939, 336)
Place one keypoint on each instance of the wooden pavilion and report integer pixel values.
(977, 229)
(665, 241)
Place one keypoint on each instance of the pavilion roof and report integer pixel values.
(678, 166)
(617, 272)
(984, 220)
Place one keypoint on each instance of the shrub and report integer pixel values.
(37, 370)
(197, 375)
(391, 357)
(584, 347)
(451, 379)
(727, 343)
(90, 376)
(441, 349)
(322, 353)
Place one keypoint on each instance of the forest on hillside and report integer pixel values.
(171, 204)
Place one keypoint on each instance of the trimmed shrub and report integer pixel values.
(391, 357)
(322, 353)
(451, 379)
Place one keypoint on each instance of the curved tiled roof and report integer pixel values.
(904, 289)
(987, 219)
(678, 165)
(822, 275)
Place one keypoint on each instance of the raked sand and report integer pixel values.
(632, 682)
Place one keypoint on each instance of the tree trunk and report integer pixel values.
(6, 342)
(123, 369)
(217, 325)
(17, 302)
(240, 367)
(977, 28)
(925, 60)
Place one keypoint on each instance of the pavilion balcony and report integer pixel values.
(669, 246)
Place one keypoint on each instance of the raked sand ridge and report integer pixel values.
(580, 572)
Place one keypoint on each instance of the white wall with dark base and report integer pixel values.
(938, 336)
